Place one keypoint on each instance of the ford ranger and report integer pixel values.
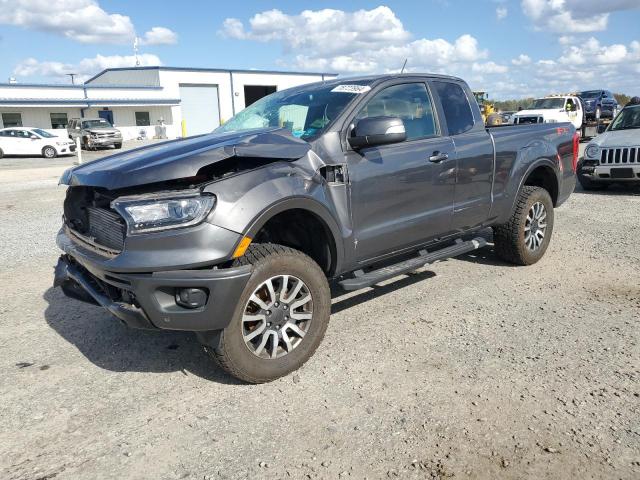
(236, 235)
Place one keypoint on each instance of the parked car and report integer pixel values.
(33, 142)
(94, 133)
(552, 109)
(599, 104)
(235, 235)
(613, 156)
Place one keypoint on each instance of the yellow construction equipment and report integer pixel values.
(487, 109)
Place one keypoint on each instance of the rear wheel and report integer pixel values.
(280, 319)
(49, 152)
(524, 239)
(1, 153)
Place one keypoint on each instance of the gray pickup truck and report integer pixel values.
(94, 133)
(236, 235)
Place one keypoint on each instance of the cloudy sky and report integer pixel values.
(511, 48)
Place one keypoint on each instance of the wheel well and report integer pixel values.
(544, 177)
(304, 231)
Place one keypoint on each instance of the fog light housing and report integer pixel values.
(191, 297)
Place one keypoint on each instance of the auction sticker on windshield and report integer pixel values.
(351, 89)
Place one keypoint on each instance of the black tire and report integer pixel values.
(269, 260)
(1, 153)
(118, 146)
(509, 238)
(84, 144)
(49, 152)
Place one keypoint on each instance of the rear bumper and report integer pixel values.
(147, 300)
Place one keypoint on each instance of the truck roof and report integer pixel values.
(388, 76)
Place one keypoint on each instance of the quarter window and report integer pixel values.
(410, 102)
(455, 104)
(11, 120)
(142, 119)
(58, 120)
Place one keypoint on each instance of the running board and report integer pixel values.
(364, 280)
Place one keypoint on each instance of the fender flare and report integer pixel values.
(311, 206)
(540, 162)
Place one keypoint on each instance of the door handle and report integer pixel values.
(438, 157)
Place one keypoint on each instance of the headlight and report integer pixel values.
(61, 144)
(593, 151)
(151, 213)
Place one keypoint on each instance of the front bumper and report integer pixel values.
(147, 300)
(103, 142)
(612, 173)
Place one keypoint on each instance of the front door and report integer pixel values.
(402, 194)
(107, 115)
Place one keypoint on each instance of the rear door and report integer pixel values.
(399, 196)
(8, 142)
(474, 151)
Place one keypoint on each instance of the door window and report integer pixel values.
(12, 120)
(457, 111)
(410, 102)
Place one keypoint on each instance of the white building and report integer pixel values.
(189, 100)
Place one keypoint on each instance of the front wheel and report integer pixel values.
(524, 239)
(118, 146)
(280, 319)
(49, 152)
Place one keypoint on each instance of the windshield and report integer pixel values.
(591, 94)
(306, 112)
(102, 123)
(43, 133)
(628, 119)
(547, 103)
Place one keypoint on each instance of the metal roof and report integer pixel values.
(88, 102)
(216, 70)
(78, 86)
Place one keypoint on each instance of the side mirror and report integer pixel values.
(33, 137)
(373, 131)
(601, 128)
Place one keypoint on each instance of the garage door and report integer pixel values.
(199, 105)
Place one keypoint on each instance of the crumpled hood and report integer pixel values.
(620, 138)
(183, 158)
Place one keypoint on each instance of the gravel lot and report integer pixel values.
(469, 369)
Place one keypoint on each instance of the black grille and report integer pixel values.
(106, 228)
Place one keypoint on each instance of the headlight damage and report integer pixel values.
(151, 213)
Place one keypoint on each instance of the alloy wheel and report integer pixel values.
(535, 226)
(277, 316)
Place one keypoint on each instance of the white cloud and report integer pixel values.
(83, 21)
(489, 67)
(521, 60)
(574, 16)
(501, 13)
(85, 68)
(353, 42)
(159, 36)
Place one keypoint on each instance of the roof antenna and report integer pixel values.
(404, 65)
(135, 51)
